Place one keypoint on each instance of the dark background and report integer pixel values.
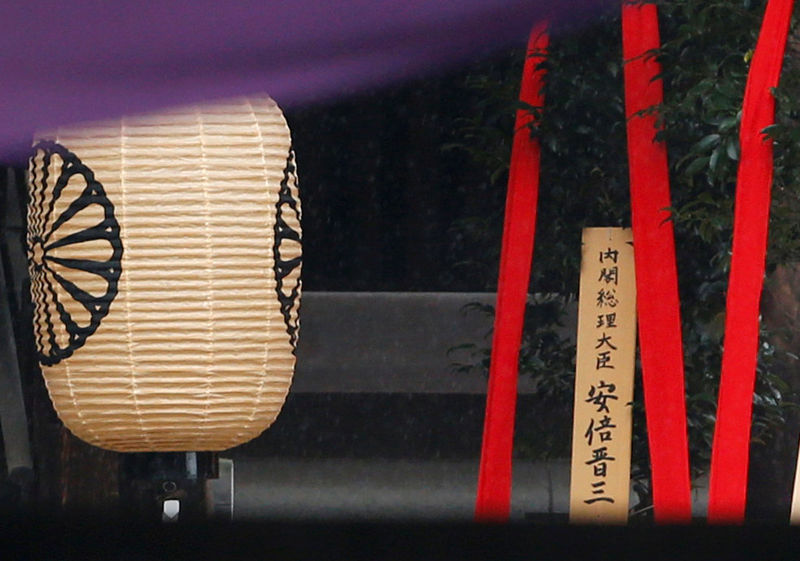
(384, 191)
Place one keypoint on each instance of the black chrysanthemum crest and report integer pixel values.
(74, 248)
(287, 271)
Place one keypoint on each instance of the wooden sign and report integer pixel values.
(601, 434)
(794, 513)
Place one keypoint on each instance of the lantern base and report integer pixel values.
(150, 480)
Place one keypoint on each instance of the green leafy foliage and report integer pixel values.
(706, 49)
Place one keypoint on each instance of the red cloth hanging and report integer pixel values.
(730, 452)
(658, 305)
(494, 479)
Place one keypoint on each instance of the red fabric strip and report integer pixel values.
(494, 479)
(656, 272)
(730, 452)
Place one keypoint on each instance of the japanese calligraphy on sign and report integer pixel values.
(601, 433)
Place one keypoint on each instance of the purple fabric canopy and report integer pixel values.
(64, 62)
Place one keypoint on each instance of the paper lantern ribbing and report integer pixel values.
(165, 273)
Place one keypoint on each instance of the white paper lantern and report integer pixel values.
(165, 272)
